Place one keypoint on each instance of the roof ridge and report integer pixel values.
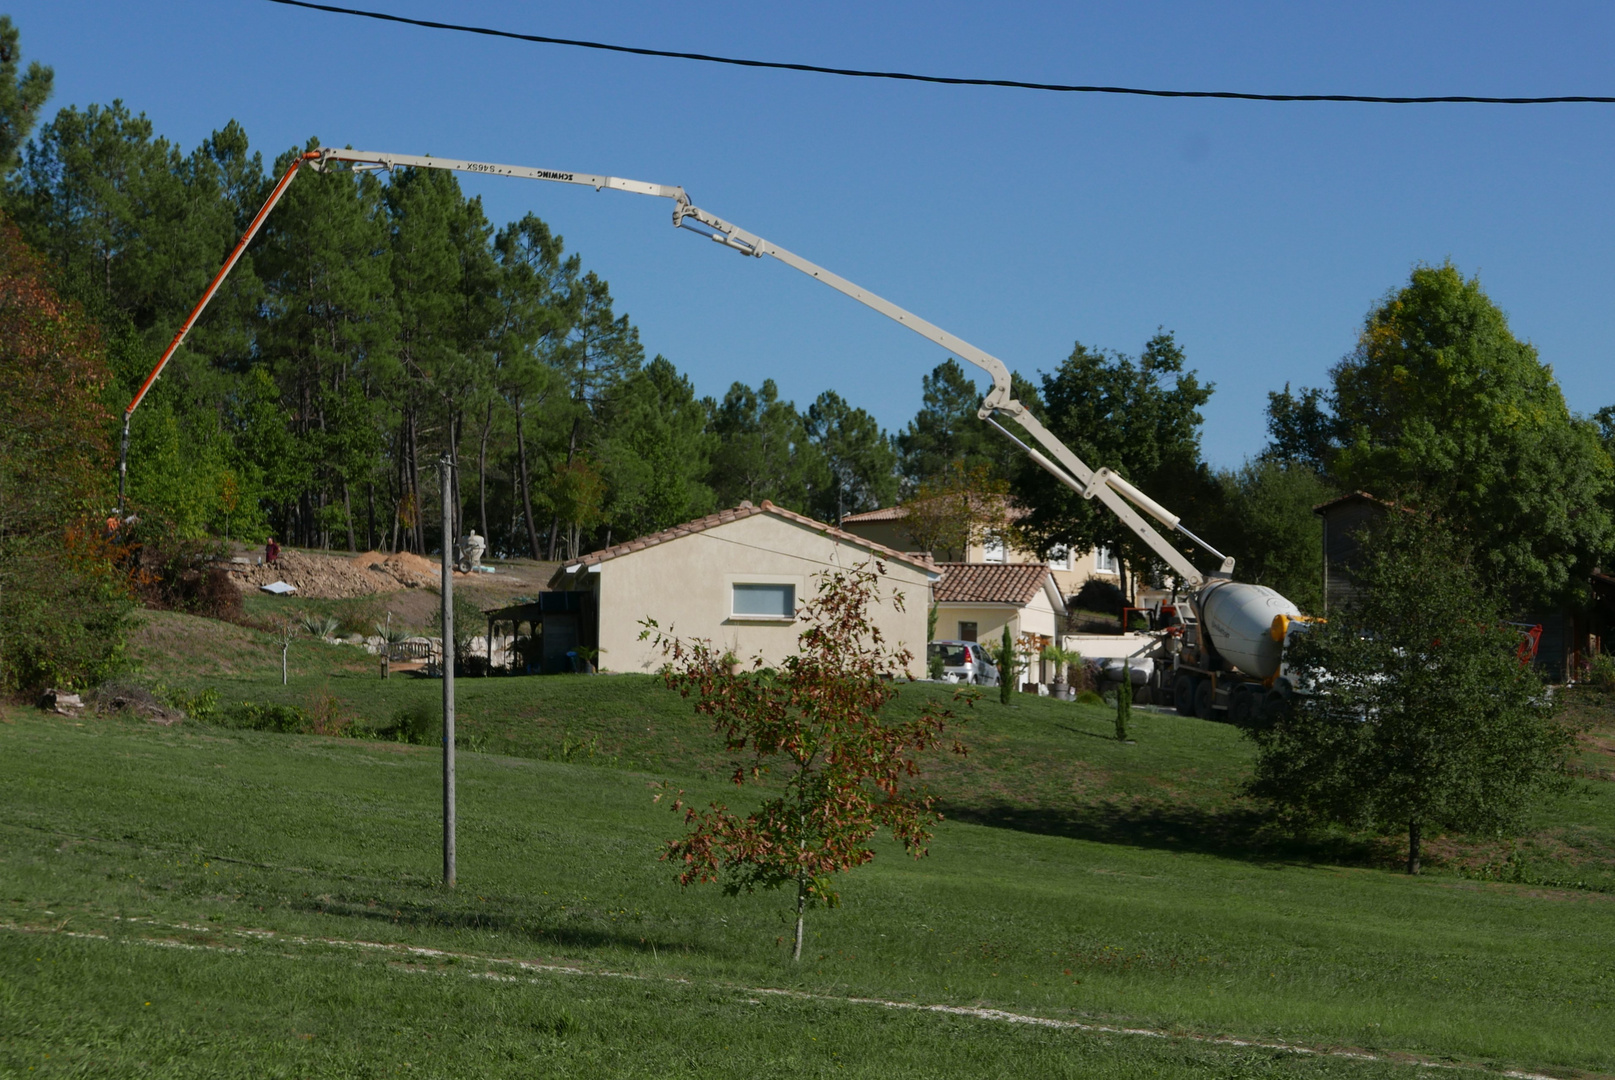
(740, 513)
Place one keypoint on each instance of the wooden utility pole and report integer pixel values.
(446, 471)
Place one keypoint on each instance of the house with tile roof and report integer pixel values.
(975, 601)
(737, 578)
(1071, 570)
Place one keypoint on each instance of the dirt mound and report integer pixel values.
(338, 577)
(404, 567)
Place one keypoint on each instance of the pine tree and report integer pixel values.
(860, 465)
(21, 97)
(763, 449)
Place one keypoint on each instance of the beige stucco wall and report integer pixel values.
(685, 584)
(1036, 617)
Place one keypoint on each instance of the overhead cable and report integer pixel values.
(1016, 84)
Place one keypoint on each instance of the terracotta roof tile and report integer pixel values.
(724, 517)
(885, 513)
(899, 512)
(990, 583)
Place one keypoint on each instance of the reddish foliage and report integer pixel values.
(60, 594)
(846, 774)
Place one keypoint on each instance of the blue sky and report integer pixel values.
(1259, 233)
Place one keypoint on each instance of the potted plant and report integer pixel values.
(1062, 659)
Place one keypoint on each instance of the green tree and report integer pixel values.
(135, 226)
(1301, 428)
(947, 430)
(847, 771)
(536, 284)
(1266, 522)
(62, 600)
(1139, 417)
(1007, 663)
(1442, 408)
(763, 449)
(601, 350)
(1421, 712)
(426, 210)
(329, 337)
(958, 507)
(21, 97)
(655, 452)
(859, 461)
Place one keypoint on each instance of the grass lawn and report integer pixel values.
(224, 876)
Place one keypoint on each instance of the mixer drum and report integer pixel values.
(1237, 620)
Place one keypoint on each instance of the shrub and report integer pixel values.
(182, 575)
(265, 716)
(1101, 596)
(1601, 672)
(323, 710)
(419, 724)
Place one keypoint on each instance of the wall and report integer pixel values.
(685, 585)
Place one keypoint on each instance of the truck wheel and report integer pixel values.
(1243, 708)
(1204, 695)
(1275, 707)
(1183, 693)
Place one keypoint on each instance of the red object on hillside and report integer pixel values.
(271, 552)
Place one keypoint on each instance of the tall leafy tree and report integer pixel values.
(1420, 713)
(136, 226)
(424, 208)
(1301, 428)
(1138, 416)
(61, 608)
(859, 461)
(1440, 406)
(21, 96)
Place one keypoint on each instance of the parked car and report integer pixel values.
(964, 661)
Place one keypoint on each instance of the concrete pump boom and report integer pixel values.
(1116, 493)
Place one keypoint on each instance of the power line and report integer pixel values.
(948, 80)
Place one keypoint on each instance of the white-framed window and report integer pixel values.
(759, 600)
(967, 631)
(992, 549)
(1060, 559)
(1104, 561)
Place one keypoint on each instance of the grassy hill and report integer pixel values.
(274, 898)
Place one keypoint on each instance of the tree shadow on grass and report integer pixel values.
(1236, 832)
(541, 928)
(1088, 734)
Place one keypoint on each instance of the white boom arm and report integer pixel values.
(1116, 493)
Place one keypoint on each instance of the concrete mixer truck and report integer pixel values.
(1225, 653)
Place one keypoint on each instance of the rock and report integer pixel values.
(61, 702)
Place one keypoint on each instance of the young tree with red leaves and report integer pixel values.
(816, 720)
